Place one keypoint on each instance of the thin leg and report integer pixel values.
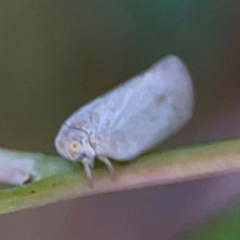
(109, 165)
(88, 172)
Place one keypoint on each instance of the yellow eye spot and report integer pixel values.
(74, 146)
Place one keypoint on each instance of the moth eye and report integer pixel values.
(74, 146)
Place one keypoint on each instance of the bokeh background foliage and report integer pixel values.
(57, 55)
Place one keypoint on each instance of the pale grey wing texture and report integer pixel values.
(100, 115)
(147, 109)
(141, 112)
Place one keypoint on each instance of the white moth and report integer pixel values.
(130, 119)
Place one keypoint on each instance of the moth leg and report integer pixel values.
(109, 165)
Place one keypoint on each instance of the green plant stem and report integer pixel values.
(60, 180)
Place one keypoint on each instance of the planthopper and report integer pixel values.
(131, 118)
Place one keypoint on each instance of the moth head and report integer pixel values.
(73, 144)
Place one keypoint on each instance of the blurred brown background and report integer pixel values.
(57, 55)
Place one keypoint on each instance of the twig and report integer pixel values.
(60, 180)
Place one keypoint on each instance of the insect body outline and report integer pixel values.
(130, 119)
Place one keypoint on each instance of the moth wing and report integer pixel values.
(147, 109)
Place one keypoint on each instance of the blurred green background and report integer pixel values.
(57, 55)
